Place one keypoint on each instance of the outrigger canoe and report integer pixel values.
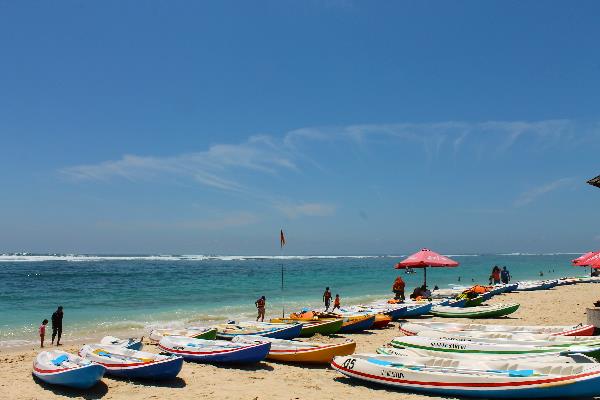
(296, 351)
(214, 351)
(64, 369)
(197, 333)
(488, 348)
(266, 329)
(132, 364)
(310, 328)
(412, 328)
(487, 379)
(491, 311)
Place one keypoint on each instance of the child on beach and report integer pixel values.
(327, 298)
(43, 331)
(336, 302)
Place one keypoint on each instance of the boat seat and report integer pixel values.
(59, 360)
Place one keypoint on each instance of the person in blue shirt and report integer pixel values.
(505, 275)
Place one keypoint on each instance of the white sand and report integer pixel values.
(270, 380)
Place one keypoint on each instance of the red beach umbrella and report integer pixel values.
(591, 259)
(426, 258)
(580, 261)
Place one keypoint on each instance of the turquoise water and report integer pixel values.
(103, 294)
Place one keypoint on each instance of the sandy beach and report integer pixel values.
(269, 380)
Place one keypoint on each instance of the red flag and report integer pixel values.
(281, 239)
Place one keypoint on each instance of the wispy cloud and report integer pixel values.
(227, 167)
(307, 209)
(533, 194)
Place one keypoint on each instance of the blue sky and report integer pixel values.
(358, 127)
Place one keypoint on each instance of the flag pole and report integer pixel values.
(281, 244)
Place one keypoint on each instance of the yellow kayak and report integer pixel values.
(296, 351)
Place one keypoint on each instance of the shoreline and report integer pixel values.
(270, 380)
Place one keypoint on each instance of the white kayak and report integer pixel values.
(412, 328)
(489, 348)
(65, 369)
(514, 338)
(194, 332)
(416, 352)
(131, 343)
(491, 311)
(485, 378)
(132, 364)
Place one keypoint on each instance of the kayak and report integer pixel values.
(131, 343)
(487, 379)
(266, 329)
(491, 311)
(309, 328)
(381, 321)
(64, 369)
(215, 351)
(474, 302)
(488, 348)
(394, 311)
(301, 352)
(417, 309)
(412, 328)
(350, 324)
(197, 333)
(550, 357)
(132, 364)
(514, 338)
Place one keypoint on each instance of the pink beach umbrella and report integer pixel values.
(590, 259)
(426, 258)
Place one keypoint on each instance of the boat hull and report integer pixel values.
(79, 378)
(418, 310)
(480, 312)
(467, 385)
(320, 355)
(242, 355)
(357, 325)
(160, 370)
(288, 333)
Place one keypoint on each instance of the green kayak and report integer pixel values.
(474, 302)
(491, 311)
(309, 328)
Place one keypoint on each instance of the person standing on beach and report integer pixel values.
(336, 302)
(398, 288)
(505, 275)
(495, 277)
(43, 332)
(261, 305)
(327, 298)
(57, 319)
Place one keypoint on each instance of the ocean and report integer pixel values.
(129, 295)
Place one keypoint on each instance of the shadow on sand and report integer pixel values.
(97, 391)
(175, 383)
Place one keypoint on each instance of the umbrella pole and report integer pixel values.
(425, 276)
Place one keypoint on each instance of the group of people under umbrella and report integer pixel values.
(421, 259)
(426, 258)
